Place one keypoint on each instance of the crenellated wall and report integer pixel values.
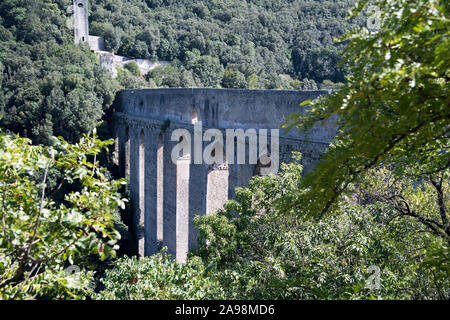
(165, 195)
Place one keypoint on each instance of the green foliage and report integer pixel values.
(253, 37)
(173, 76)
(51, 87)
(296, 84)
(127, 79)
(425, 200)
(233, 79)
(394, 107)
(206, 68)
(59, 208)
(327, 84)
(44, 230)
(253, 81)
(257, 251)
(133, 68)
(158, 277)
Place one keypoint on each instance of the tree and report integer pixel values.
(112, 38)
(53, 89)
(133, 68)
(296, 84)
(173, 76)
(394, 107)
(139, 50)
(51, 86)
(425, 200)
(233, 79)
(281, 37)
(257, 251)
(307, 84)
(127, 79)
(327, 84)
(151, 38)
(43, 229)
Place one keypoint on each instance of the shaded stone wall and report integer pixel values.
(165, 195)
(81, 23)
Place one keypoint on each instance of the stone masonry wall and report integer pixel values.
(166, 196)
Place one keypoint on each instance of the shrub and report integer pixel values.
(158, 277)
(133, 68)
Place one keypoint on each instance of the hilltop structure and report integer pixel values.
(107, 59)
(165, 195)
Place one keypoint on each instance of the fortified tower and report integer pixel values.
(81, 16)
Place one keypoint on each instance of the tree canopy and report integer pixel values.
(50, 86)
(394, 108)
(46, 227)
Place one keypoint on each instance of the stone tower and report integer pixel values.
(81, 15)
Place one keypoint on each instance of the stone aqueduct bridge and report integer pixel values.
(165, 196)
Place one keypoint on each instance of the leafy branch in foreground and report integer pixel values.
(257, 251)
(394, 108)
(425, 200)
(42, 231)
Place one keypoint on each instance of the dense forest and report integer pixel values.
(49, 86)
(370, 221)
